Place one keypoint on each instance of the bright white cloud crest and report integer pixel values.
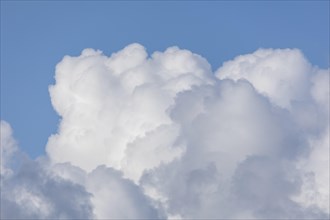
(163, 136)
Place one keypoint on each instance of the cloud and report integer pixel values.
(8, 146)
(265, 186)
(281, 74)
(162, 136)
(240, 160)
(118, 198)
(113, 197)
(39, 190)
(29, 190)
(109, 103)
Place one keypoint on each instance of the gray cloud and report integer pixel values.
(265, 185)
(31, 192)
(118, 198)
(240, 159)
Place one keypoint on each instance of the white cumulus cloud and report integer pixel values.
(162, 136)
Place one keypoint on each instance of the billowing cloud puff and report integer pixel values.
(112, 106)
(161, 136)
(241, 159)
(39, 190)
(28, 190)
(113, 197)
(8, 146)
(281, 75)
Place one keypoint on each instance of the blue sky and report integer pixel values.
(36, 35)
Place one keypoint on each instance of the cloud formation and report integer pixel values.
(162, 136)
(38, 190)
(29, 190)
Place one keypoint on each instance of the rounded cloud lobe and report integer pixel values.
(30, 191)
(162, 136)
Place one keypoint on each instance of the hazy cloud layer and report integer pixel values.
(162, 136)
